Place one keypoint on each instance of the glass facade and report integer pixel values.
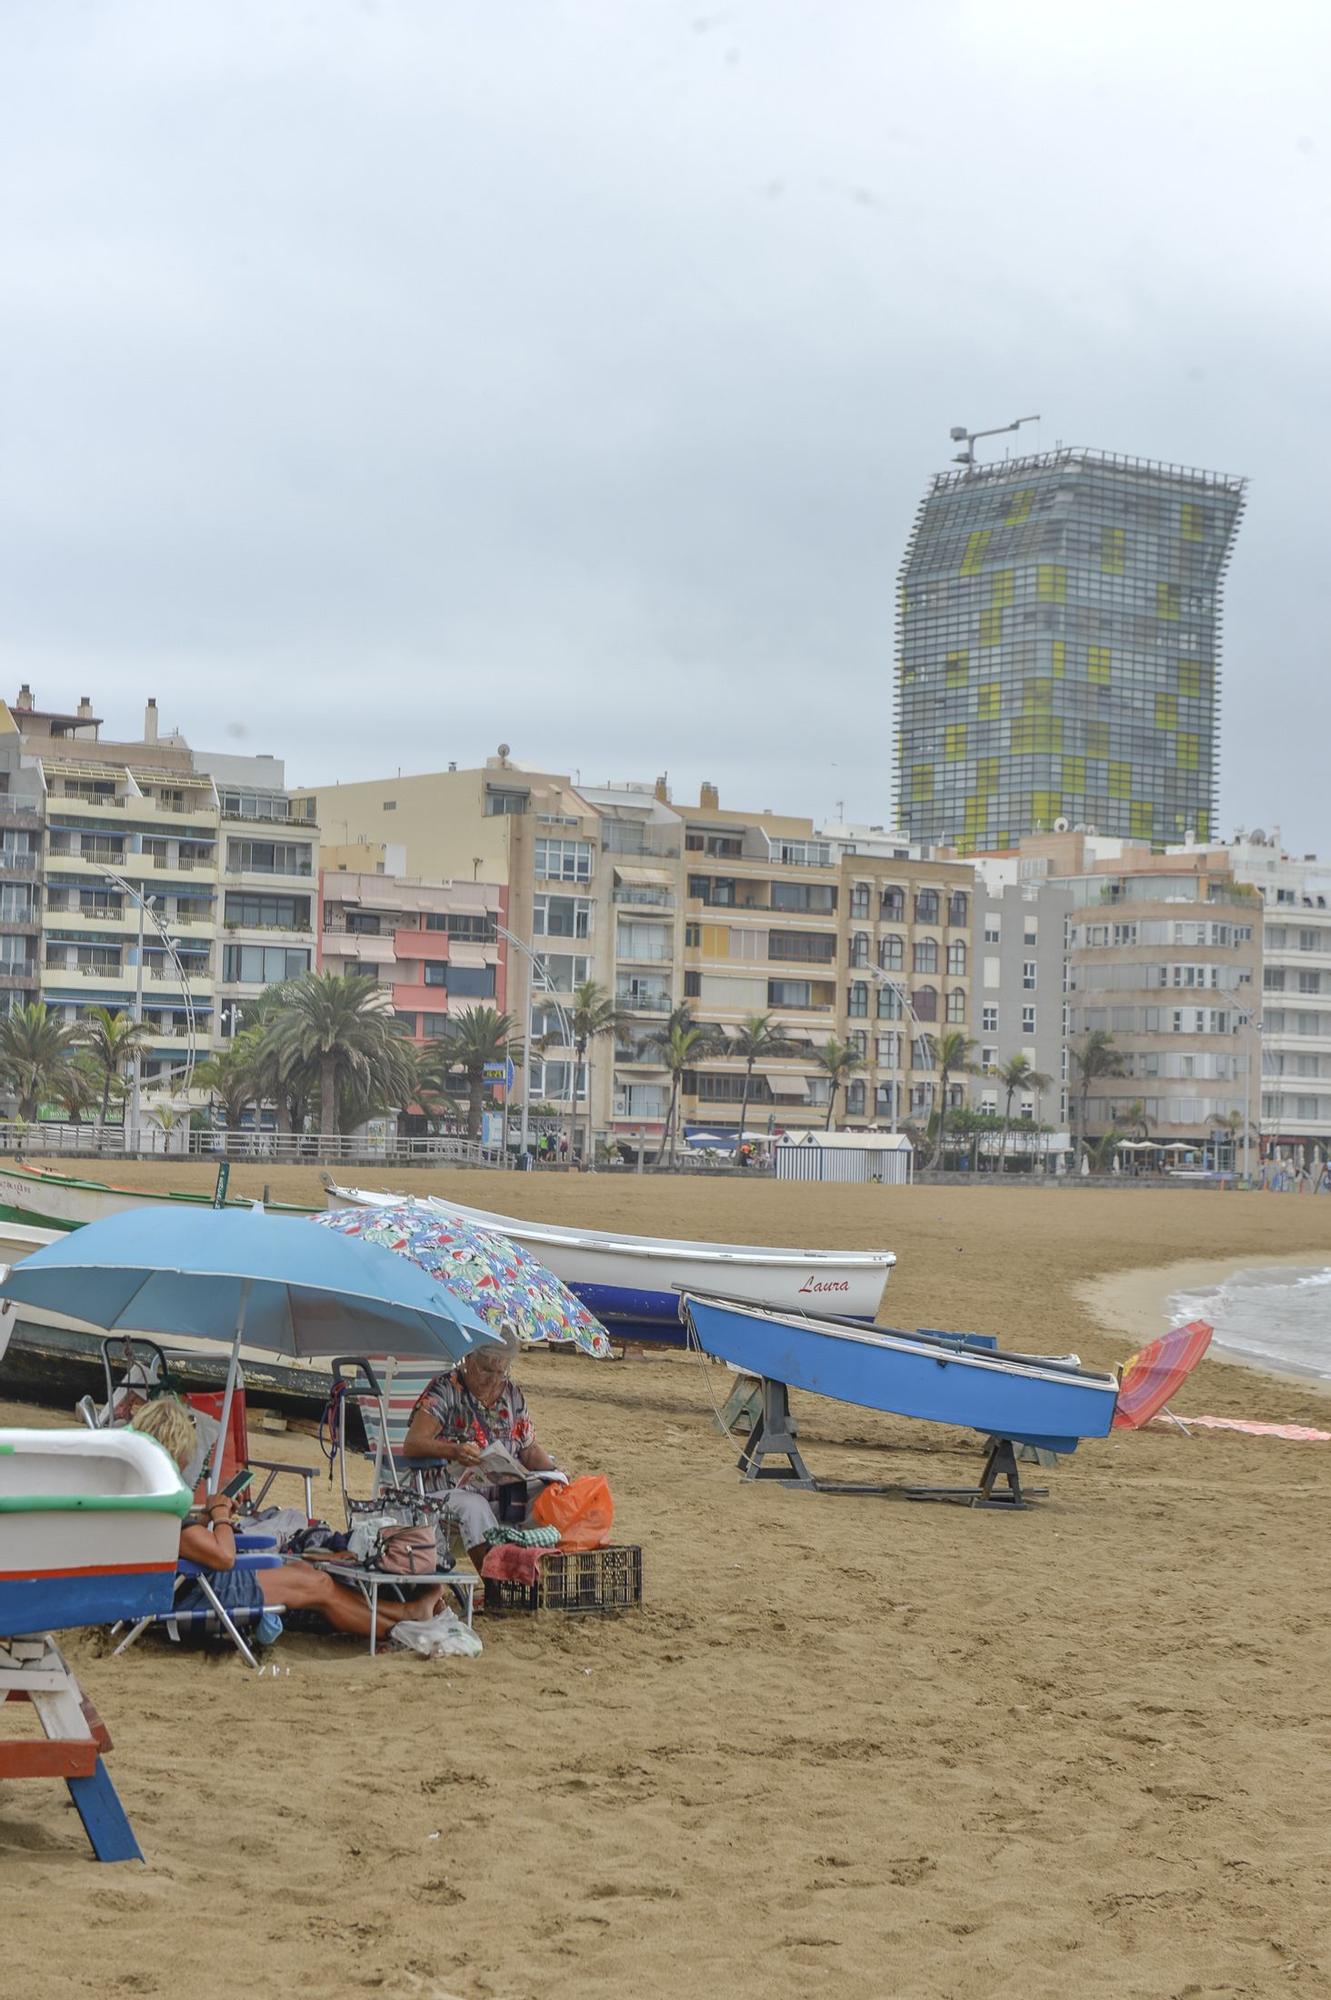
(1059, 650)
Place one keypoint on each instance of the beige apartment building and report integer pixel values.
(660, 903)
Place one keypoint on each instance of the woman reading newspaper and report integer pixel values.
(475, 1419)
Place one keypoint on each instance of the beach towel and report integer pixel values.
(1151, 1377)
(1296, 1433)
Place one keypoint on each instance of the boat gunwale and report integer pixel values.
(45, 1177)
(1028, 1367)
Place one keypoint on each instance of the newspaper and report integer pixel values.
(498, 1467)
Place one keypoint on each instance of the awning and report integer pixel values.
(460, 952)
(795, 1087)
(643, 878)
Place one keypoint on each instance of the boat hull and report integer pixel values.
(1022, 1397)
(89, 1528)
(43, 1200)
(633, 1283)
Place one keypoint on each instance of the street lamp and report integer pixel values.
(1247, 1017)
(536, 970)
(148, 913)
(898, 986)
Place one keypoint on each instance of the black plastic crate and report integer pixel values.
(574, 1580)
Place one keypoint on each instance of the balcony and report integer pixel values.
(644, 1003)
(644, 954)
(629, 838)
(294, 873)
(646, 898)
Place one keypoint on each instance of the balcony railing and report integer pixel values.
(654, 899)
(264, 868)
(644, 1003)
(16, 864)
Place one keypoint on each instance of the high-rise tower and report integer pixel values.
(1059, 640)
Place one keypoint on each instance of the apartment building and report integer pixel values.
(1019, 945)
(659, 903)
(434, 946)
(1164, 954)
(1294, 1120)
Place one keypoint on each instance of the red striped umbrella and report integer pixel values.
(1150, 1378)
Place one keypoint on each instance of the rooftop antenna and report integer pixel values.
(960, 435)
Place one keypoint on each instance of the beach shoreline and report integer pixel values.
(1128, 1301)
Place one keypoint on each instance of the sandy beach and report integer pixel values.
(848, 1746)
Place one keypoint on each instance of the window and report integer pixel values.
(859, 900)
(245, 911)
(925, 1002)
(692, 985)
(855, 1097)
(958, 906)
(561, 916)
(434, 973)
(956, 960)
(788, 993)
(888, 1051)
(362, 923)
(1028, 1020)
(989, 1020)
(992, 930)
(988, 1057)
(891, 953)
(269, 857)
(889, 1003)
(857, 999)
(926, 955)
(434, 1024)
(1028, 976)
(802, 947)
(814, 898)
(692, 936)
(1031, 932)
(461, 924)
(1307, 940)
(564, 860)
(859, 948)
(859, 1041)
(893, 908)
(956, 1004)
(499, 803)
(390, 805)
(262, 964)
(926, 906)
(469, 982)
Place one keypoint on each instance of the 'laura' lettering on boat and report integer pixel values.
(812, 1284)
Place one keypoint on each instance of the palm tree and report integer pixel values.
(231, 1074)
(342, 1027)
(476, 1037)
(840, 1061)
(35, 1050)
(758, 1038)
(79, 1087)
(592, 1015)
(1016, 1074)
(1096, 1057)
(681, 1043)
(954, 1054)
(114, 1041)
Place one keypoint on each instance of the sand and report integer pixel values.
(848, 1747)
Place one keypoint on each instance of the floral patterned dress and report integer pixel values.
(463, 1418)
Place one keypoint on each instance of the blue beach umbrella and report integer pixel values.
(256, 1280)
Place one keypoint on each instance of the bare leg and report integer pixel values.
(303, 1588)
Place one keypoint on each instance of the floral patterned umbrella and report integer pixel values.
(500, 1280)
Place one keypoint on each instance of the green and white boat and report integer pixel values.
(43, 1199)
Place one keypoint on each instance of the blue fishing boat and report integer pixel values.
(1016, 1399)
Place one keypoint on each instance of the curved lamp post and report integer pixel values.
(147, 914)
(536, 971)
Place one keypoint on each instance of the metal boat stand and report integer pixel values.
(34, 1670)
(775, 1435)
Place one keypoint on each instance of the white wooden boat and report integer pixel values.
(40, 1198)
(633, 1283)
(89, 1528)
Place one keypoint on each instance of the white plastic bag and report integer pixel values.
(364, 1537)
(435, 1638)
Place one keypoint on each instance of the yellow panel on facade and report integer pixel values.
(1190, 677)
(1032, 733)
(958, 666)
(1019, 506)
(986, 701)
(991, 627)
(976, 544)
(977, 814)
(954, 741)
(1120, 781)
(986, 774)
(1037, 693)
(715, 941)
(1185, 751)
(1141, 819)
(1097, 739)
(1074, 774)
(1058, 657)
(1051, 583)
(1046, 808)
(1166, 711)
(1166, 600)
(1098, 665)
(1002, 587)
(1203, 824)
(1192, 525)
(1113, 547)
(922, 781)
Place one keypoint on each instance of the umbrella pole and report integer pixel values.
(215, 1475)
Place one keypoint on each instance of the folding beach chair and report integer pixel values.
(1150, 1378)
(253, 1552)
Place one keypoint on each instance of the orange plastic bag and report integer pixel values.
(583, 1512)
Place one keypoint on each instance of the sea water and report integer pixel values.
(1278, 1318)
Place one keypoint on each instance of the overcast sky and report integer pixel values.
(381, 381)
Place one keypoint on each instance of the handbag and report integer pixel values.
(405, 1551)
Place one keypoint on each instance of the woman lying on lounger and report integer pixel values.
(295, 1586)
